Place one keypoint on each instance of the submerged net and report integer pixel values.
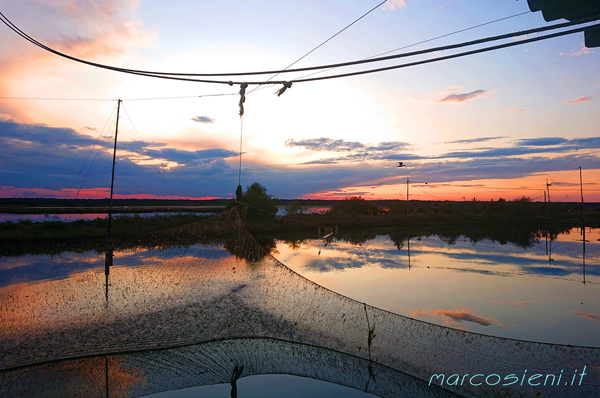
(209, 304)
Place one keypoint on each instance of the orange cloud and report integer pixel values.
(101, 31)
(88, 193)
(584, 50)
(593, 317)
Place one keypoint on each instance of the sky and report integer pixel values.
(499, 124)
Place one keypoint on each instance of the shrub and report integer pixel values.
(294, 207)
(354, 205)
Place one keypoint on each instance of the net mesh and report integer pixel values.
(208, 299)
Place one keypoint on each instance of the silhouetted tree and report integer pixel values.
(258, 203)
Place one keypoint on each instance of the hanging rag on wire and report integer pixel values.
(243, 87)
(286, 85)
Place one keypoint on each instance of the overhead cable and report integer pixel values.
(112, 100)
(427, 61)
(180, 76)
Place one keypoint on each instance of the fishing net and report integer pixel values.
(207, 304)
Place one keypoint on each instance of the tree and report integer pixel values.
(258, 203)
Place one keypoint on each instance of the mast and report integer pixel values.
(109, 251)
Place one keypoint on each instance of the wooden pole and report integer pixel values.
(109, 252)
(407, 195)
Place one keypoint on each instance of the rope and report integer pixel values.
(239, 191)
(286, 85)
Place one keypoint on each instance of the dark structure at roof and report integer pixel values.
(572, 10)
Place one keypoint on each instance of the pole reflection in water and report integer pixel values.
(108, 262)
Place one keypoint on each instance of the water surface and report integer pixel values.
(539, 293)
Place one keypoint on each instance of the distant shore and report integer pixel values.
(429, 215)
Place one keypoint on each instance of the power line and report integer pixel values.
(112, 100)
(181, 97)
(431, 39)
(178, 76)
(427, 193)
(427, 61)
(57, 99)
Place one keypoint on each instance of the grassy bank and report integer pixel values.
(84, 229)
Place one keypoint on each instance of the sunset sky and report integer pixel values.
(489, 125)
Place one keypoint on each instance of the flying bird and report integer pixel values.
(401, 164)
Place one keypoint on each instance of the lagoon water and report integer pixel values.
(546, 292)
(225, 308)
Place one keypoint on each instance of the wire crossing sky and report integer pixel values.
(491, 124)
(178, 76)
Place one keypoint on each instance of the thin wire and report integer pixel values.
(482, 50)
(90, 152)
(147, 153)
(57, 99)
(181, 97)
(323, 43)
(112, 100)
(416, 44)
(92, 164)
(172, 76)
(450, 34)
(427, 193)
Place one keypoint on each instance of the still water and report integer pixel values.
(190, 317)
(546, 292)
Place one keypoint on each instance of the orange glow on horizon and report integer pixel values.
(89, 193)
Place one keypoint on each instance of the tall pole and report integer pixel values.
(548, 189)
(407, 195)
(109, 253)
(545, 205)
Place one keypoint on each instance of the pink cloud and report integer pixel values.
(458, 317)
(585, 98)
(463, 97)
(393, 5)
